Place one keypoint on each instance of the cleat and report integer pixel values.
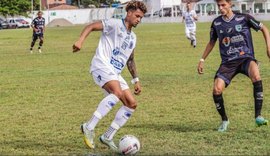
(260, 121)
(223, 126)
(194, 46)
(88, 136)
(108, 143)
(39, 50)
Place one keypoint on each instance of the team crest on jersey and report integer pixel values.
(221, 31)
(229, 30)
(116, 51)
(226, 41)
(238, 27)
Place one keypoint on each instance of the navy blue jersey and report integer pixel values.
(234, 35)
(39, 23)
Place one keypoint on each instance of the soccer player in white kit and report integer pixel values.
(115, 50)
(189, 17)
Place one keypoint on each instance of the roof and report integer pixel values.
(63, 7)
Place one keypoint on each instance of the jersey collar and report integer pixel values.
(228, 20)
(123, 21)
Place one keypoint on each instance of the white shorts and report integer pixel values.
(102, 76)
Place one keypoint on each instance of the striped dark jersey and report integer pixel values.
(39, 24)
(234, 35)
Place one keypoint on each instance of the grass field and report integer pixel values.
(45, 97)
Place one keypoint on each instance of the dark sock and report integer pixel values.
(218, 99)
(258, 97)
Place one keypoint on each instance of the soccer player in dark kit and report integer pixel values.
(38, 25)
(237, 54)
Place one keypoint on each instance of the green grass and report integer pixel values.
(45, 97)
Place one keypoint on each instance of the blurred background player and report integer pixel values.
(38, 25)
(114, 52)
(189, 17)
(237, 54)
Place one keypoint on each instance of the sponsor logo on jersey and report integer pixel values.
(116, 64)
(229, 30)
(221, 31)
(238, 38)
(226, 41)
(239, 18)
(238, 27)
(234, 50)
(217, 23)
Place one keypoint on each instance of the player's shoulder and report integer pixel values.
(217, 21)
(242, 16)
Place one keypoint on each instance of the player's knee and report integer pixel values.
(217, 90)
(256, 78)
(118, 93)
(132, 104)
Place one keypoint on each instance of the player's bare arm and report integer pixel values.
(132, 69)
(207, 51)
(266, 35)
(97, 26)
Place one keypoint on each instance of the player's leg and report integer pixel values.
(193, 37)
(41, 39)
(254, 75)
(110, 83)
(187, 32)
(122, 116)
(34, 38)
(219, 86)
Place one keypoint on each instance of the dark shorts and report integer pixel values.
(229, 69)
(36, 36)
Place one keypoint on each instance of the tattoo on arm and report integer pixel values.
(132, 66)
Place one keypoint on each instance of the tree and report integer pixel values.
(97, 3)
(14, 7)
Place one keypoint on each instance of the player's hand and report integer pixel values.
(200, 67)
(137, 88)
(76, 47)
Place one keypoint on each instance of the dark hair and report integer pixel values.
(225, 0)
(134, 5)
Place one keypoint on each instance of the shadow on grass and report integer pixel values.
(174, 127)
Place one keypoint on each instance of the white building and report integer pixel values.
(156, 5)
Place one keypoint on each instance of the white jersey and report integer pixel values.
(189, 20)
(115, 46)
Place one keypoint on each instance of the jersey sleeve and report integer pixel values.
(256, 25)
(33, 22)
(213, 33)
(108, 25)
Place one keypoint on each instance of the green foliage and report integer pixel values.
(14, 7)
(97, 3)
(45, 97)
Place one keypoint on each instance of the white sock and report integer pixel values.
(103, 109)
(121, 117)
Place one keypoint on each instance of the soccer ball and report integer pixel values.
(129, 145)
